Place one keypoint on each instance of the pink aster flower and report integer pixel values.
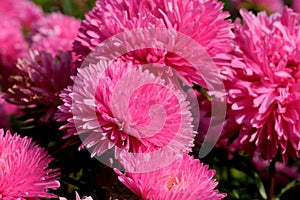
(186, 178)
(203, 21)
(54, 32)
(264, 83)
(39, 80)
(24, 172)
(24, 11)
(270, 6)
(11, 48)
(127, 108)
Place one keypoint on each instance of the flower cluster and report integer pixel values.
(143, 87)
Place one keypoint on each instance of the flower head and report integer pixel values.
(24, 172)
(186, 178)
(263, 83)
(129, 108)
(39, 80)
(203, 21)
(54, 32)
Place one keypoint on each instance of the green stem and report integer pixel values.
(112, 180)
(272, 173)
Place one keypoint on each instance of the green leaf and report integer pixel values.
(260, 186)
(289, 186)
(67, 7)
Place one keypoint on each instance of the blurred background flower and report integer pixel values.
(54, 32)
(25, 12)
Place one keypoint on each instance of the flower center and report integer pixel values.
(175, 181)
(172, 182)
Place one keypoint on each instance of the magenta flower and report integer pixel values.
(23, 11)
(24, 172)
(186, 178)
(39, 80)
(263, 83)
(203, 21)
(54, 32)
(128, 108)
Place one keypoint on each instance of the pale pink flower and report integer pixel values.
(186, 178)
(83, 198)
(54, 32)
(128, 108)
(24, 11)
(39, 80)
(203, 21)
(24, 172)
(270, 6)
(264, 83)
